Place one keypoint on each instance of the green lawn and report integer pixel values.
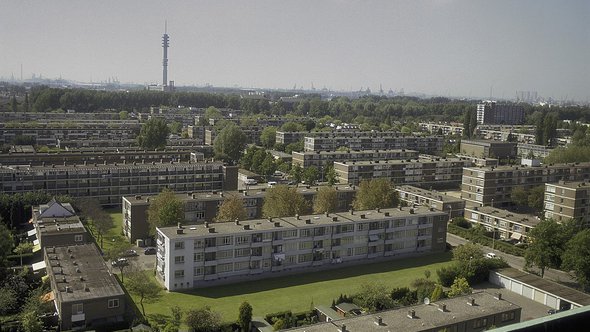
(114, 232)
(297, 292)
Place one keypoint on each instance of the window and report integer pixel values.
(507, 316)
(113, 303)
(78, 238)
(224, 254)
(179, 260)
(77, 308)
(227, 267)
(179, 274)
(198, 244)
(198, 271)
(304, 233)
(478, 323)
(242, 252)
(179, 245)
(305, 245)
(243, 239)
(226, 240)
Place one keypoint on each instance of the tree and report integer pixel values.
(375, 193)
(519, 196)
(143, 287)
(282, 201)
(374, 297)
(165, 210)
(232, 209)
(575, 258)
(268, 137)
(23, 248)
(466, 122)
(14, 104)
(153, 134)
(296, 173)
(230, 143)
(175, 127)
(467, 252)
(26, 104)
(212, 113)
(6, 243)
(292, 127)
(100, 219)
(203, 320)
(115, 251)
(437, 293)
(268, 166)
(30, 322)
(123, 115)
(424, 288)
(310, 175)
(535, 197)
(245, 316)
(331, 175)
(8, 300)
(546, 246)
(326, 200)
(460, 287)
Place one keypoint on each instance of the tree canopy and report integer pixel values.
(153, 134)
(326, 200)
(268, 137)
(575, 257)
(144, 288)
(203, 319)
(230, 143)
(282, 201)
(232, 209)
(546, 246)
(245, 316)
(165, 210)
(375, 193)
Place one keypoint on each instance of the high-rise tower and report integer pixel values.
(165, 45)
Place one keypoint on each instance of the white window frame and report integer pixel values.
(113, 303)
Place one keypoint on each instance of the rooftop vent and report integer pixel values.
(378, 320)
(411, 314)
(308, 221)
(363, 216)
(237, 221)
(68, 289)
(343, 328)
(206, 224)
(386, 214)
(498, 296)
(471, 301)
(411, 211)
(351, 211)
(246, 227)
(442, 307)
(212, 230)
(278, 224)
(334, 218)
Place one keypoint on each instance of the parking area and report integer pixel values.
(530, 309)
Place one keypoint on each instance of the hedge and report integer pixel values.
(484, 240)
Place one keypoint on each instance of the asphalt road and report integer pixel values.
(517, 262)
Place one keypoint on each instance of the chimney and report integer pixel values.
(411, 211)
(498, 296)
(269, 219)
(351, 212)
(343, 328)
(86, 289)
(206, 224)
(245, 193)
(386, 214)
(278, 224)
(246, 227)
(411, 314)
(379, 210)
(378, 320)
(334, 218)
(297, 216)
(363, 216)
(308, 221)
(237, 221)
(212, 230)
(471, 301)
(442, 307)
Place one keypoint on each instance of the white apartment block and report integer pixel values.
(210, 254)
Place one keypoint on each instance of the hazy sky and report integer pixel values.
(444, 47)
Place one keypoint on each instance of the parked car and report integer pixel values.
(150, 251)
(491, 255)
(250, 182)
(120, 262)
(130, 253)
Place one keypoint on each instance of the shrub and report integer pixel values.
(447, 274)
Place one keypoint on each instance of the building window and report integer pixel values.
(113, 303)
(198, 257)
(179, 260)
(77, 308)
(78, 238)
(479, 323)
(179, 274)
(508, 316)
(178, 245)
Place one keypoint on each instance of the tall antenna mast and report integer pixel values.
(165, 44)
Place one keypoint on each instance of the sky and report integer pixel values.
(467, 48)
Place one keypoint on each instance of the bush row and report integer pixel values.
(484, 240)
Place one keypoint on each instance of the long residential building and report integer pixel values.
(433, 199)
(203, 207)
(488, 149)
(567, 200)
(86, 294)
(205, 255)
(323, 158)
(425, 172)
(109, 182)
(386, 140)
(445, 128)
(486, 185)
(506, 224)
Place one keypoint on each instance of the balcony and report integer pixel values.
(78, 317)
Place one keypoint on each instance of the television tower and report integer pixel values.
(165, 45)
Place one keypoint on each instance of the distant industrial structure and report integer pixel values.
(166, 86)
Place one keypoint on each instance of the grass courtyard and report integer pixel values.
(113, 235)
(297, 292)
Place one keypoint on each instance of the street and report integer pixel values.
(517, 262)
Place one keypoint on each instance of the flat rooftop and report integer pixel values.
(60, 225)
(407, 161)
(285, 223)
(554, 288)
(526, 219)
(426, 316)
(103, 166)
(572, 184)
(82, 269)
(350, 151)
(431, 194)
(505, 168)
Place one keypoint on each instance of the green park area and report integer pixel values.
(298, 292)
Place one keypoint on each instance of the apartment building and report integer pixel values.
(171, 143)
(86, 294)
(435, 172)
(488, 149)
(203, 207)
(431, 198)
(486, 185)
(506, 224)
(50, 134)
(109, 182)
(109, 156)
(479, 161)
(567, 200)
(323, 158)
(532, 150)
(204, 255)
(386, 140)
(57, 224)
(445, 128)
(288, 137)
(489, 112)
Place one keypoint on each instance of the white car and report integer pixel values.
(491, 255)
